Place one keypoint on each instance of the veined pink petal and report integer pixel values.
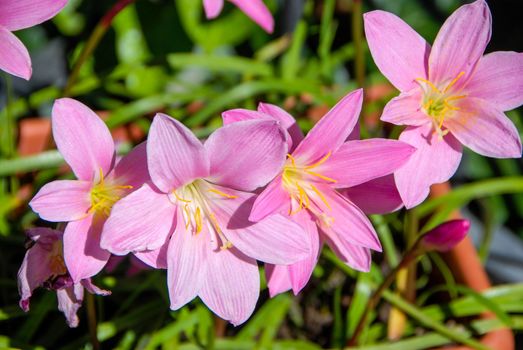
(332, 130)
(69, 302)
(460, 43)
(131, 170)
(231, 286)
(378, 196)
(20, 14)
(341, 218)
(140, 221)
(258, 12)
(400, 53)
(286, 120)
(273, 200)
(278, 279)
(33, 272)
(405, 109)
(82, 138)
(62, 200)
(485, 129)
(356, 162)
(14, 58)
(357, 257)
(276, 239)
(82, 253)
(212, 8)
(246, 155)
(175, 156)
(154, 258)
(497, 79)
(186, 264)
(301, 271)
(435, 161)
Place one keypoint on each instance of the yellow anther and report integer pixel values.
(432, 86)
(454, 81)
(293, 161)
(198, 220)
(187, 211)
(322, 197)
(323, 177)
(320, 162)
(103, 196)
(226, 245)
(180, 198)
(223, 194)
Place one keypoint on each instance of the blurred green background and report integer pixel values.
(163, 55)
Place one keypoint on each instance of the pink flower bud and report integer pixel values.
(446, 236)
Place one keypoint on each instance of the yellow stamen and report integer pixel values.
(432, 86)
(180, 198)
(293, 161)
(322, 197)
(198, 220)
(223, 194)
(103, 196)
(323, 177)
(320, 162)
(454, 81)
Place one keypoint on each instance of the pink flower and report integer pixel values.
(446, 236)
(44, 266)
(450, 94)
(307, 188)
(85, 142)
(255, 9)
(192, 218)
(16, 15)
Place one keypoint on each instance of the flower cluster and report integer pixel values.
(257, 189)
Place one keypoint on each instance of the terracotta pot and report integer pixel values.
(466, 266)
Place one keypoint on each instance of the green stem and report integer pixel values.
(357, 38)
(91, 316)
(409, 256)
(93, 41)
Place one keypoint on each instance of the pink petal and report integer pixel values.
(460, 43)
(132, 170)
(497, 79)
(33, 272)
(273, 200)
(258, 12)
(358, 258)
(175, 156)
(446, 236)
(186, 264)
(14, 58)
(212, 8)
(301, 271)
(93, 289)
(400, 53)
(82, 138)
(231, 286)
(435, 161)
(20, 14)
(276, 239)
(82, 253)
(341, 218)
(286, 120)
(405, 109)
(246, 155)
(278, 279)
(154, 258)
(63, 200)
(69, 302)
(378, 196)
(140, 221)
(356, 162)
(267, 112)
(332, 130)
(485, 129)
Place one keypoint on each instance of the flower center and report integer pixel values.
(298, 181)
(439, 103)
(104, 195)
(193, 199)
